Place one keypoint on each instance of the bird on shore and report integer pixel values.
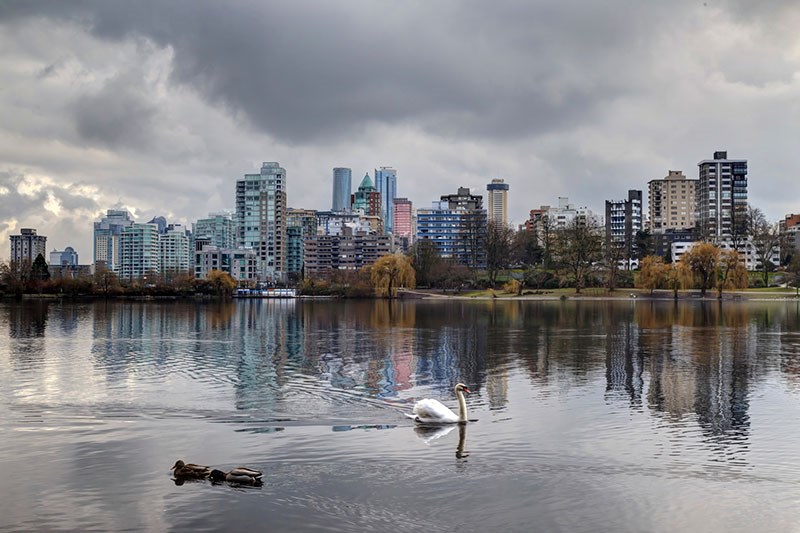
(430, 411)
(240, 475)
(183, 470)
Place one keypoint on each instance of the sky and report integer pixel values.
(158, 107)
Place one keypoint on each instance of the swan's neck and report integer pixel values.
(462, 407)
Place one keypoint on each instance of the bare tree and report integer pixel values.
(498, 249)
(766, 240)
(616, 251)
(578, 248)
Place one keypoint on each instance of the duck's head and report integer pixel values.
(462, 388)
(217, 475)
(178, 464)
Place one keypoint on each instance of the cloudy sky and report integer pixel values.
(158, 107)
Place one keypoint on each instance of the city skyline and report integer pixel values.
(110, 106)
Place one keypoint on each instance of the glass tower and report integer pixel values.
(342, 186)
(386, 183)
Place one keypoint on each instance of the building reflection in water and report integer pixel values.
(27, 324)
(690, 362)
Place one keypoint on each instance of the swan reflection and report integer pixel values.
(462, 437)
(430, 433)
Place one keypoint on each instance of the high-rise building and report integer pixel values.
(386, 183)
(140, 253)
(349, 250)
(560, 217)
(671, 202)
(240, 264)
(160, 222)
(623, 221)
(455, 225)
(67, 257)
(342, 188)
(497, 201)
(64, 264)
(722, 198)
(107, 234)
(219, 228)
(367, 199)
(27, 246)
(403, 222)
(463, 199)
(176, 255)
(301, 224)
(261, 218)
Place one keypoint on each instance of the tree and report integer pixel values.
(677, 276)
(425, 260)
(525, 249)
(105, 280)
(14, 276)
(221, 282)
(473, 240)
(578, 247)
(731, 273)
(391, 271)
(498, 249)
(547, 233)
(39, 270)
(702, 260)
(766, 240)
(615, 253)
(643, 241)
(652, 273)
(793, 274)
(535, 277)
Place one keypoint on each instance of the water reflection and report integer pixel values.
(622, 393)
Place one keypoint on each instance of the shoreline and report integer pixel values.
(621, 294)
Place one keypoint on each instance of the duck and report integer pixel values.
(183, 470)
(430, 411)
(240, 475)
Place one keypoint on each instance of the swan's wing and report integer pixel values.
(433, 411)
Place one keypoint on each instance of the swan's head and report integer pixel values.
(461, 388)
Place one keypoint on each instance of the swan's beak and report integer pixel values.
(466, 390)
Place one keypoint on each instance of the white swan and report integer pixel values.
(429, 411)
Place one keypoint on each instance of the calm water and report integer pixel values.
(624, 416)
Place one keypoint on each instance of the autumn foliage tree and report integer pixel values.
(222, 282)
(677, 276)
(652, 273)
(391, 271)
(702, 260)
(731, 273)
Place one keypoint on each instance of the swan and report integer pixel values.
(429, 411)
(183, 470)
(240, 475)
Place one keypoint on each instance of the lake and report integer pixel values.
(586, 415)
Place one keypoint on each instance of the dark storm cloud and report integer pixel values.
(118, 115)
(303, 70)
